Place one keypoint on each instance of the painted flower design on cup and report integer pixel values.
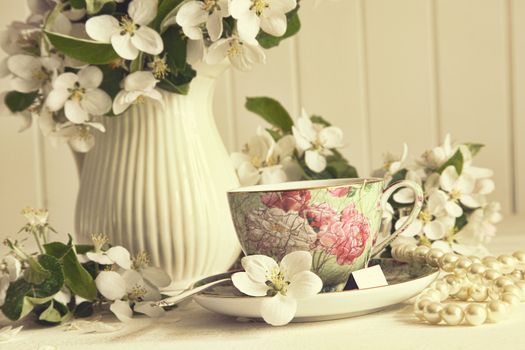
(346, 239)
(275, 232)
(285, 283)
(321, 215)
(339, 191)
(288, 200)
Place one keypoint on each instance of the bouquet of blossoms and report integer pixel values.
(457, 215)
(287, 151)
(62, 281)
(73, 61)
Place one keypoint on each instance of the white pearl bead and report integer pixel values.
(516, 275)
(420, 254)
(479, 292)
(490, 275)
(432, 313)
(501, 282)
(419, 307)
(492, 263)
(463, 294)
(475, 314)
(497, 311)
(520, 257)
(475, 259)
(452, 314)
(432, 294)
(513, 289)
(511, 299)
(508, 263)
(454, 284)
(443, 289)
(448, 262)
(475, 272)
(433, 257)
(462, 266)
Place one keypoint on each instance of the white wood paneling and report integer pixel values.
(474, 86)
(517, 21)
(400, 72)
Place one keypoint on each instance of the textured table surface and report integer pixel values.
(393, 328)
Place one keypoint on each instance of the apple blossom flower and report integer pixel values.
(242, 55)
(132, 34)
(193, 14)
(261, 160)
(31, 73)
(316, 141)
(480, 227)
(459, 186)
(435, 157)
(153, 275)
(79, 95)
(285, 283)
(137, 87)
(392, 164)
(125, 289)
(114, 255)
(268, 15)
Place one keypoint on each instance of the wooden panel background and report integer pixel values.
(385, 71)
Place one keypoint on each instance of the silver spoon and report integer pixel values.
(195, 288)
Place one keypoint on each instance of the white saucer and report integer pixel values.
(405, 281)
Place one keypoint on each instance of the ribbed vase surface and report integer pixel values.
(156, 181)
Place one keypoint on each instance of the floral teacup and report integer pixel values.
(336, 220)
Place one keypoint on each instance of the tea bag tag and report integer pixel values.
(369, 277)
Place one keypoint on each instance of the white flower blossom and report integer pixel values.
(268, 15)
(137, 87)
(31, 73)
(262, 159)
(114, 255)
(194, 14)
(316, 141)
(459, 187)
(79, 95)
(242, 55)
(132, 34)
(285, 283)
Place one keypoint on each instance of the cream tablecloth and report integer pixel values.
(196, 328)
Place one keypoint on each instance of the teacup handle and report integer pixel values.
(418, 205)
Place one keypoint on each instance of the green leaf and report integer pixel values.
(84, 309)
(95, 6)
(474, 148)
(50, 314)
(54, 282)
(317, 119)
(178, 83)
(15, 307)
(271, 111)
(167, 9)
(138, 63)
(35, 274)
(461, 222)
(112, 79)
(456, 160)
(275, 134)
(78, 4)
(175, 47)
(76, 277)
(18, 101)
(84, 248)
(268, 41)
(87, 51)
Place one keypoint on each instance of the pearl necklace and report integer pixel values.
(496, 285)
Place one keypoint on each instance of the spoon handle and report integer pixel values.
(171, 301)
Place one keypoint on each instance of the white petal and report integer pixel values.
(284, 6)
(404, 196)
(485, 186)
(304, 284)
(238, 158)
(122, 310)
(331, 137)
(75, 113)
(25, 86)
(133, 279)
(123, 46)
(214, 25)
(96, 102)
(453, 209)
(306, 129)
(140, 81)
(102, 28)
(295, 262)
(156, 276)
(448, 178)
(315, 161)
(148, 40)
(14, 267)
(119, 103)
(99, 258)
(65, 81)
(285, 146)
(56, 99)
(82, 142)
(120, 256)
(279, 310)
(143, 11)
(434, 230)
(191, 14)
(248, 28)
(273, 23)
(273, 175)
(240, 8)
(258, 267)
(147, 308)
(193, 33)
(442, 245)
(111, 285)
(61, 24)
(218, 51)
(246, 285)
(90, 77)
(23, 66)
(469, 201)
(412, 230)
(248, 174)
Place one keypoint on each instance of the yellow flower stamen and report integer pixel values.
(277, 281)
(127, 25)
(137, 293)
(159, 68)
(99, 241)
(140, 261)
(259, 6)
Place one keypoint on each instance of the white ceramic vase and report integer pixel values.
(156, 181)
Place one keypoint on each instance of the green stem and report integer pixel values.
(38, 242)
